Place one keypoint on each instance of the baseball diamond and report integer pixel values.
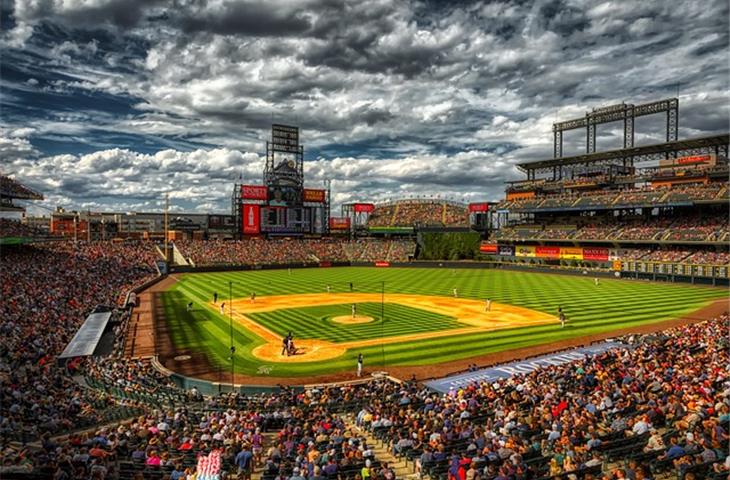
(411, 315)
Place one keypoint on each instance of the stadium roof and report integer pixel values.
(643, 153)
(10, 188)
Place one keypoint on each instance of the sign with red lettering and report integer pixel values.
(694, 159)
(364, 207)
(339, 223)
(596, 254)
(547, 252)
(488, 248)
(314, 196)
(478, 207)
(254, 192)
(251, 219)
(382, 264)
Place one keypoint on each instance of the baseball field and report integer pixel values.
(398, 317)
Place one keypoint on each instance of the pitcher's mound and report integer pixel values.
(349, 319)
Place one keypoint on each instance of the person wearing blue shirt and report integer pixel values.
(244, 460)
(675, 451)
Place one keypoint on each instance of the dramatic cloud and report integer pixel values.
(107, 103)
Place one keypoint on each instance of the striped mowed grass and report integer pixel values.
(590, 309)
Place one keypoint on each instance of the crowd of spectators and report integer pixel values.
(13, 228)
(662, 406)
(47, 292)
(409, 213)
(700, 229)
(697, 229)
(667, 255)
(260, 251)
(708, 257)
(626, 198)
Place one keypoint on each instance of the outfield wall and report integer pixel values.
(688, 277)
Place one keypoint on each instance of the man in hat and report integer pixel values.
(244, 461)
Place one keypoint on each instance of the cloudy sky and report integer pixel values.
(105, 104)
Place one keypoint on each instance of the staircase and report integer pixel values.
(395, 215)
(381, 452)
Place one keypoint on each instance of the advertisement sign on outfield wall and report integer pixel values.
(525, 251)
(254, 192)
(595, 254)
(547, 252)
(571, 253)
(488, 248)
(382, 264)
(251, 219)
(506, 250)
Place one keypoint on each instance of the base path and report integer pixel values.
(473, 314)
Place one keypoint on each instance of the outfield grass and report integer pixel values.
(590, 309)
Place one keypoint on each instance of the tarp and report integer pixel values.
(87, 338)
(524, 366)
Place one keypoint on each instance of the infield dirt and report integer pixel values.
(473, 314)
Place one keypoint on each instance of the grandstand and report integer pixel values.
(419, 213)
(11, 230)
(668, 200)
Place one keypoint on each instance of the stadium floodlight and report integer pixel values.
(230, 321)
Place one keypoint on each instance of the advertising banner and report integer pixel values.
(339, 223)
(525, 251)
(254, 192)
(478, 207)
(547, 252)
(506, 250)
(364, 207)
(694, 159)
(571, 253)
(488, 248)
(382, 264)
(315, 196)
(251, 219)
(595, 254)
(616, 265)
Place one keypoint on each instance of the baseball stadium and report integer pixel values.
(413, 338)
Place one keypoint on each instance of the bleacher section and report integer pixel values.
(260, 251)
(419, 212)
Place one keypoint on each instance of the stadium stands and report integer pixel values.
(260, 251)
(669, 229)
(614, 199)
(412, 212)
(646, 408)
(13, 228)
(47, 290)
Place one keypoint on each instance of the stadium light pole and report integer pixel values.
(230, 321)
(382, 321)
